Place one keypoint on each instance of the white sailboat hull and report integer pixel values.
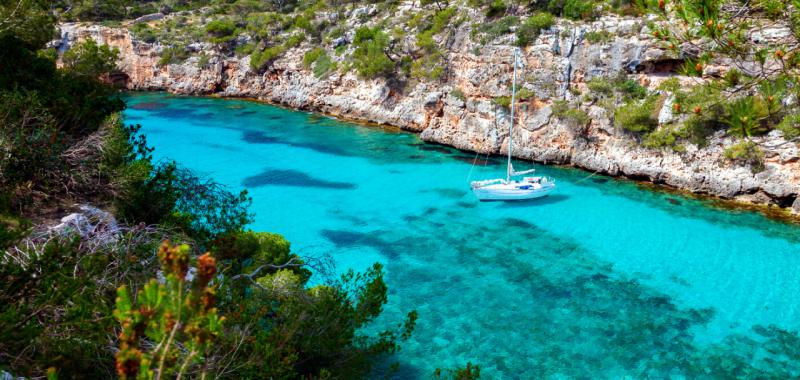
(513, 190)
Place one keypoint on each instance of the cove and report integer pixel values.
(602, 279)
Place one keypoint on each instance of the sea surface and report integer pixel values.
(602, 279)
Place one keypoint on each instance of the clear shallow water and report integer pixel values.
(600, 280)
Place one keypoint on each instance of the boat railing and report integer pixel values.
(477, 184)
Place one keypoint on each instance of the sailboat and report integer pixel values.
(510, 189)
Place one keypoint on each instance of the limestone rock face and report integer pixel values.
(557, 66)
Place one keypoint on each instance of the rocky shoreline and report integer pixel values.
(558, 65)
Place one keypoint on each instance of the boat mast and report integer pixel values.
(511, 128)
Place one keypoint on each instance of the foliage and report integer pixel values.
(30, 23)
(260, 59)
(790, 126)
(312, 56)
(492, 30)
(428, 67)
(143, 32)
(502, 101)
(529, 30)
(600, 36)
(638, 116)
(56, 300)
(747, 97)
(746, 152)
(574, 9)
(90, 59)
(496, 8)
(369, 57)
(569, 114)
(458, 94)
(173, 55)
(45, 109)
(221, 31)
(314, 331)
(664, 137)
(744, 116)
(618, 89)
(179, 314)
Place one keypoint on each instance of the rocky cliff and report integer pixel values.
(557, 66)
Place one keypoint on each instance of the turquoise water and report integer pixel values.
(603, 279)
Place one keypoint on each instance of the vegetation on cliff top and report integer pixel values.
(95, 296)
(408, 42)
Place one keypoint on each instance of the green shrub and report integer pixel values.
(369, 57)
(259, 59)
(699, 127)
(492, 30)
(790, 126)
(221, 31)
(772, 8)
(173, 55)
(204, 61)
(246, 49)
(744, 117)
(143, 32)
(166, 193)
(618, 88)
(44, 110)
(71, 327)
(579, 9)
(529, 30)
(303, 22)
(441, 19)
(323, 66)
(458, 94)
(664, 137)
(502, 101)
(574, 116)
(638, 116)
(294, 40)
(599, 36)
(312, 56)
(746, 152)
(90, 59)
(428, 67)
(496, 8)
(524, 94)
(574, 9)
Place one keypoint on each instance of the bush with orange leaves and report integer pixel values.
(168, 329)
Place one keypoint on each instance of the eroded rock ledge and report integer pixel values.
(560, 58)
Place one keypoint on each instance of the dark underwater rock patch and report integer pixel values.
(256, 137)
(149, 106)
(436, 148)
(277, 177)
(519, 223)
(259, 137)
(179, 113)
(347, 238)
(448, 193)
